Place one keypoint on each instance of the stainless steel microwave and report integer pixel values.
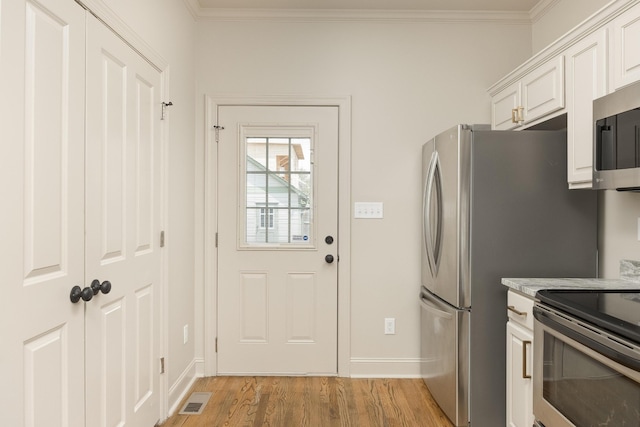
(616, 141)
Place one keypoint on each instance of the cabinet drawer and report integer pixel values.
(517, 303)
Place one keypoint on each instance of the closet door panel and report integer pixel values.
(123, 211)
(42, 64)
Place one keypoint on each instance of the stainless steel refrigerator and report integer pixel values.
(495, 204)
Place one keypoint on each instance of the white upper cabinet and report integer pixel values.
(543, 90)
(625, 48)
(600, 55)
(586, 80)
(535, 95)
(504, 107)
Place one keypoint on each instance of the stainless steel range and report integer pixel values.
(587, 358)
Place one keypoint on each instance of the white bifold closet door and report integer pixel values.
(122, 245)
(79, 172)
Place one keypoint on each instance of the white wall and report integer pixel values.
(560, 18)
(618, 212)
(169, 29)
(408, 81)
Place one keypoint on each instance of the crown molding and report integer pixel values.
(542, 8)
(349, 15)
(104, 13)
(193, 6)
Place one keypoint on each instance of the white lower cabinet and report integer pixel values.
(519, 361)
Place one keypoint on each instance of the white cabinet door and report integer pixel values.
(519, 382)
(625, 48)
(42, 60)
(543, 90)
(537, 94)
(122, 232)
(502, 106)
(586, 81)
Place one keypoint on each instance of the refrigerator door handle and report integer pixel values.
(433, 224)
(431, 304)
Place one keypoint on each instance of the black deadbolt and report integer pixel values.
(328, 240)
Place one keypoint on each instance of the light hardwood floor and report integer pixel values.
(313, 402)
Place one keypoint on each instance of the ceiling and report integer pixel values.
(372, 5)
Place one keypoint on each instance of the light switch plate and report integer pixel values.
(368, 210)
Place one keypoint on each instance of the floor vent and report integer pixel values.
(195, 404)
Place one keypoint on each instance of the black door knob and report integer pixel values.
(78, 293)
(104, 287)
(329, 259)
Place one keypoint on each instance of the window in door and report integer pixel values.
(278, 187)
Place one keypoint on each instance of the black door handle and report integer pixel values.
(78, 293)
(104, 287)
(329, 259)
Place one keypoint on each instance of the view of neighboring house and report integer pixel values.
(279, 190)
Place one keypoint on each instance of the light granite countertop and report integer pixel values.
(629, 279)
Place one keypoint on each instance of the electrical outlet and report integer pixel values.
(389, 326)
(186, 334)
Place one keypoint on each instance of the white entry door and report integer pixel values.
(42, 59)
(277, 241)
(122, 232)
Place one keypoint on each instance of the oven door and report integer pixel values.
(582, 376)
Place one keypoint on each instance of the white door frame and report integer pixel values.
(212, 102)
(104, 13)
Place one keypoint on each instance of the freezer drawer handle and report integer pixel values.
(516, 311)
(429, 305)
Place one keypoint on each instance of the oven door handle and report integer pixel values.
(585, 337)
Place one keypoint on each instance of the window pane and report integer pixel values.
(256, 189)
(278, 152)
(300, 190)
(256, 154)
(300, 225)
(301, 154)
(255, 233)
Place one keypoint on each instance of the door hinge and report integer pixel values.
(216, 239)
(216, 344)
(164, 107)
(162, 239)
(217, 130)
(162, 365)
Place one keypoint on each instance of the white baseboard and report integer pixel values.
(385, 368)
(179, 389)
(199, 367)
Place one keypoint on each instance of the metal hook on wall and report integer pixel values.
(164, 106)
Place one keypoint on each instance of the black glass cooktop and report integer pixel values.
(617, 311)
